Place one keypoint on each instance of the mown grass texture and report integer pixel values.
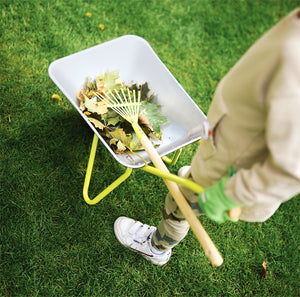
(52, 243)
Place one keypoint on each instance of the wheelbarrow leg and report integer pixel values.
(88, 174)
(175, 158)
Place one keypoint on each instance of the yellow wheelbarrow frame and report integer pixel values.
(150, 169)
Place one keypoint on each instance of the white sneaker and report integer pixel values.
(137, 237)
(183, 171)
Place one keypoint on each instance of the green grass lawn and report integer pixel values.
(51, 242)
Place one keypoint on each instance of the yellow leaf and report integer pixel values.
(120, 147)
(96, 123)
(113, 141)
(55, 96)
(99, 107)
(121, 135)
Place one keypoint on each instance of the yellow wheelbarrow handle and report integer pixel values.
(175, 178)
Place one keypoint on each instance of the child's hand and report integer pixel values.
(216, 205)
(235, 213)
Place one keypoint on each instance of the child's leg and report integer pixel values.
(173, 227)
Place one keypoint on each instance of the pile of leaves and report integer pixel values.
(112, 127)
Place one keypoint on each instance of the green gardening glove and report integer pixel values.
(215, 204)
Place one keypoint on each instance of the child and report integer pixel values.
(252, 127)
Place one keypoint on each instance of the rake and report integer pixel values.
(127, 104)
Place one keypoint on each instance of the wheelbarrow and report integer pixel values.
(137, 62)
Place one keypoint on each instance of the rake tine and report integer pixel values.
(124, 96)
(102, 98)
(133, 106)
(132, 103)
(113, 98)
(120, 100)
(137, 107)
(129, 109)
(126, 106)
(116, 101)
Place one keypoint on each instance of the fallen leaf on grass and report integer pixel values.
(55, 96)
(264, 265)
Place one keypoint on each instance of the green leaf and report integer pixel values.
(150, 117)
(135, 143)
(112, 118)
(113, 121)
(144, 91)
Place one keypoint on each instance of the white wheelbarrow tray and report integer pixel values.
(138, 63)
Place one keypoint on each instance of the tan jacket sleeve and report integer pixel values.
(269, 183)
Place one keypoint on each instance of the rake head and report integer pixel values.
(124, 102)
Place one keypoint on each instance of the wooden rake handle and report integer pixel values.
(206, 243)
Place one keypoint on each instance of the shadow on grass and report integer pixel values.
(49, 157)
